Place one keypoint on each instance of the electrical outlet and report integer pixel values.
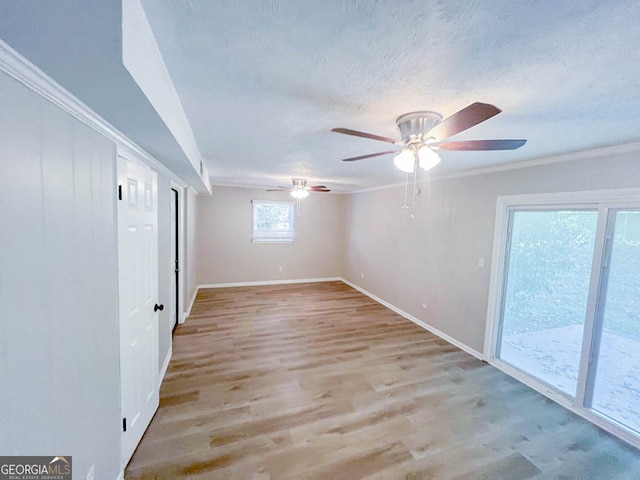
(361, 274)
(481, 262)
(424, 304)
(281, 268)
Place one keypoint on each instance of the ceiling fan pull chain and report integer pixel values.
(415, 180)
(406, 189)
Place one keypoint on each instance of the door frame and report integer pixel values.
(181, 246)
(142, 158)
(597, 199)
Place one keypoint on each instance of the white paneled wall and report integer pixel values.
(59, 367)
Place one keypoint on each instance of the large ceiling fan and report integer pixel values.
(300, 188)
(423, 134)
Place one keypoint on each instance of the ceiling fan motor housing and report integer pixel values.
(299, 183)
(414, 126)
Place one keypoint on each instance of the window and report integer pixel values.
(273, 221)
(564, 304)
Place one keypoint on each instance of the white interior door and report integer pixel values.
(138, 296)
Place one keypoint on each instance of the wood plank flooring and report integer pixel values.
(317, 381)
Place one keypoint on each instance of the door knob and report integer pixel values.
(158, 307)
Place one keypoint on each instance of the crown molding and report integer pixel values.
(22, 70)
(240, 185)
(537, 162)
(262, 187)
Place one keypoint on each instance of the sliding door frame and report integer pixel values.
(606, 202)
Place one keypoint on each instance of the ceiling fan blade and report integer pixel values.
(361, 157)
(317, 187)
(355, 133)
(321, 190)
(466, 118)
(471, 145)
(283, 189)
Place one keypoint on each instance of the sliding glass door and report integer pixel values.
(616, 391)
(564, 313)
(547, 287)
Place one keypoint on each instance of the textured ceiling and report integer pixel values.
(263, 82)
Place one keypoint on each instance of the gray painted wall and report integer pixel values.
(59, 347)
(226, 253)
(433, 258)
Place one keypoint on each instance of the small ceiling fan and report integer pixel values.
(423, 134)
(300, 188)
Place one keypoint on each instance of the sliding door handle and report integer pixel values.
(158, 307)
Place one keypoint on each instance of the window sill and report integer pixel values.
(269, 240)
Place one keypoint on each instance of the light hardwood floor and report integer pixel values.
(318, 381)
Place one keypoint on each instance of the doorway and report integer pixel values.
(175, 255)
(137, 216)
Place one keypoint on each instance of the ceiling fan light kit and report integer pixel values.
(427, 158)
(299, 194)
(413, 129)
(405, 160)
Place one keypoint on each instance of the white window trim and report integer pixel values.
(596, 199)
(275, 238)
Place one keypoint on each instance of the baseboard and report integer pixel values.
(120, 476)
(417, 321)
(165, 364)
(270, 282)
(186, 314)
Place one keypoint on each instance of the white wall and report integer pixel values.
(226, 253)
(59, 348)
(433, 258)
